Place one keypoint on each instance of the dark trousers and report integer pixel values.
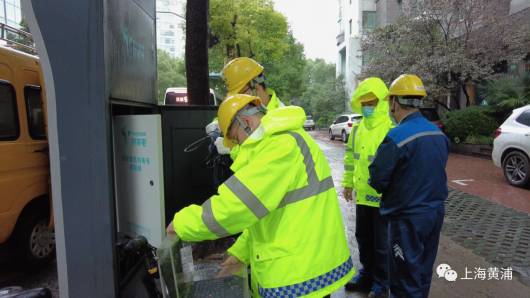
(371, 232)
(414, 245)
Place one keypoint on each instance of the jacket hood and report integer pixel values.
(377, 87)
(279, 120)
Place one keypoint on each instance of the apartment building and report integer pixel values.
(169, 34)
(11, 13)
(356, 17)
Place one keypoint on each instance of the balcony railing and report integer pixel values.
(340, 38)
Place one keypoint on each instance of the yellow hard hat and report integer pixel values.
(405, 85)
(228, 111)
(367, 97)
(239, 72)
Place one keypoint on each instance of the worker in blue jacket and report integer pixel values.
(409, 171)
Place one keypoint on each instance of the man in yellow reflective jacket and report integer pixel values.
(282, 195)
(245, 76)
(371, 227)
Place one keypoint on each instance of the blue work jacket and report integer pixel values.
(409, 168)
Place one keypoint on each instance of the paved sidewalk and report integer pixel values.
(476, 235)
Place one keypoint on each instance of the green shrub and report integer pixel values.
(479, 139)
(471, 121)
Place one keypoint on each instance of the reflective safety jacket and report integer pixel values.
(409, 169)
(282, 194)
(363, 142)
(273, 105)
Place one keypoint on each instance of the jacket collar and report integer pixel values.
(410, 117)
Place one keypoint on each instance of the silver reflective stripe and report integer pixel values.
(349, 168)
(210, 221)
(349, 149)
(353, 136)
(357, 156)
(310, 190)
(421, 134)
(314, 186)
(247, 197)
(371, 158)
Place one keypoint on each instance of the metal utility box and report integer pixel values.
(186, 179)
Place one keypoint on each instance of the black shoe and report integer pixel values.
(358, 284)
(378, 292)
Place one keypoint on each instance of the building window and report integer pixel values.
(171, 26)
(366, 57)
(9, 127)
(341, 30)
(350, 27)
(400, 5)
(172, 49)
(168, 40)
(167, 33)
(35, 112)
(368, 20)
(350, 2)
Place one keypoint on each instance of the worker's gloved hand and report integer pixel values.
(348, 193)
(220, 147)
(213, 127)
(170, 230)
(231, 266)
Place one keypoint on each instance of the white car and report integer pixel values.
(511, 148)
(342, 126)
(309, 123)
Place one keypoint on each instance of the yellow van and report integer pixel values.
(25, 200)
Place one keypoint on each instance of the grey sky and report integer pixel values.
(314, 24)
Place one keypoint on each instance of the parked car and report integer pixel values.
(342, 126)
(309, 124)
(432, 115)
(511, 147)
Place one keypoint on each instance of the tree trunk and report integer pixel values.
(456, 99)
(464, 88)
(197, 52)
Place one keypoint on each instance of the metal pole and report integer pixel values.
(172, 13)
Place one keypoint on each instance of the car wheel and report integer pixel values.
(344, 137)
(331, 137)
(516, 168)
(32, 244)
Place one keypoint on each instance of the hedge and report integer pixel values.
(470, 122)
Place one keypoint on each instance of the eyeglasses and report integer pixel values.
(234, 140)
(244, 92)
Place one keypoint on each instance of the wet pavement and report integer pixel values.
(479, 234)
(487, 181)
